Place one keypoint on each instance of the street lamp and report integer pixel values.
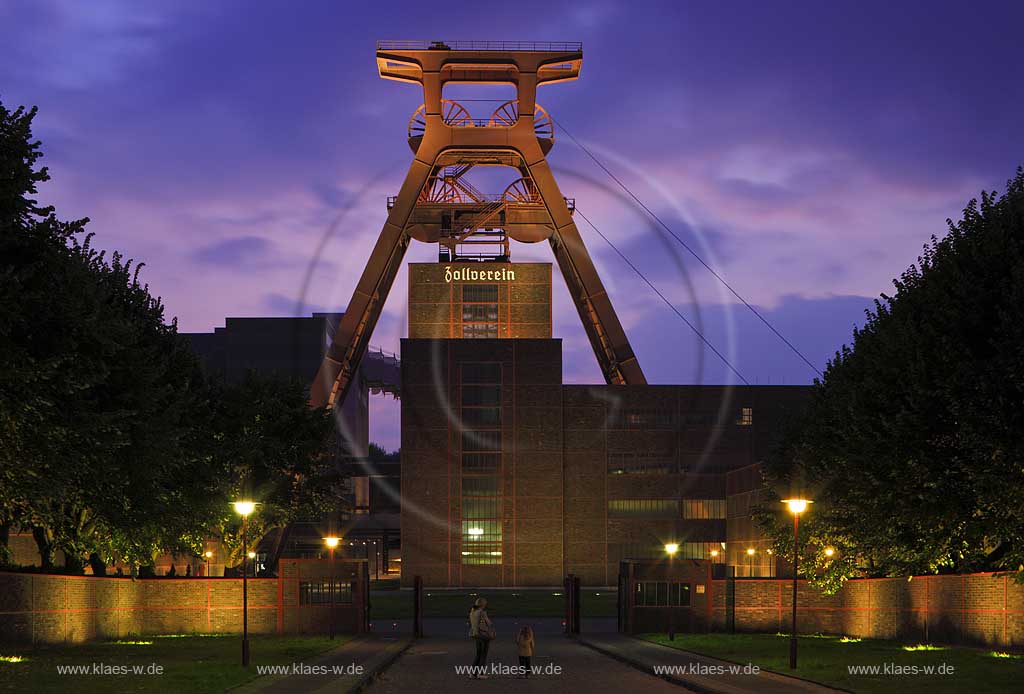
(244, 508)
(796, 507)
(331, 542)
(671, 548)
(750, 562)
(829, 551)
(209, 555)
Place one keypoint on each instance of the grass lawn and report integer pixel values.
(395, 604)
(825, 659)
(193, 664)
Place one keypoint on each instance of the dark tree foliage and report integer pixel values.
(112, 444)
(911, 445)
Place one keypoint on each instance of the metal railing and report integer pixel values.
(484, 198)
(552, 46)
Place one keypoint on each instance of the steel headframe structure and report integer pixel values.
(436, 204)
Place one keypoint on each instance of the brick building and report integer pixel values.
(511, 478)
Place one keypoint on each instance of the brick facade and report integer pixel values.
(980, 609)
(39, 608)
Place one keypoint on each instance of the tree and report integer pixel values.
(112, 443)
(271, 447)
(911, 444)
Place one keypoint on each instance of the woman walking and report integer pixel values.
(481, 630)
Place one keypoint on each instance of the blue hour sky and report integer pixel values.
(807, 150)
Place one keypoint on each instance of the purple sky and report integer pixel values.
(244, 151)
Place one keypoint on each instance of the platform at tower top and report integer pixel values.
(503, 46)
(480, 61)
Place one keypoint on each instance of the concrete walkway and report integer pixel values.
(697, 672)
(429, 666)
(333, 671)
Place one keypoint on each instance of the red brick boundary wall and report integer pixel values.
(972, 608)
(38, 608)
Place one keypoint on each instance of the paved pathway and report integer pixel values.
(371, 652)
(429, 666)
(697, 672)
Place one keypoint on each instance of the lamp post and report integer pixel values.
(796, 507)
(244, 508)
(750, 562)
(331, 543)
(671, 548)
(209, 555)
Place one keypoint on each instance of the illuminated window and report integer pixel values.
(687, 550)
(746, 417)
(703, 509)
(481, 463)
(480, 331)
(643, 508)
(480, 311)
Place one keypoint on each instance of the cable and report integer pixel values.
(687, 247)
(664, 298)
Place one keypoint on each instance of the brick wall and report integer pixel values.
(37, 608)
(974, 609)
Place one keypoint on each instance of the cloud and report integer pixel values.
(238, 252)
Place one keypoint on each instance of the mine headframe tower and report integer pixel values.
(438, 204)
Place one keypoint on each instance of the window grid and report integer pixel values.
(662, 594)
(704, 509)
(746, 417)
(481, 463)
(480, 311)
(643, 508)
(319, 592)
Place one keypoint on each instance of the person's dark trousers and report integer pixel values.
(524, 661)
(482, 646)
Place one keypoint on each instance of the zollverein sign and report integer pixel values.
(465, 274)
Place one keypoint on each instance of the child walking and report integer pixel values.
(524, 640)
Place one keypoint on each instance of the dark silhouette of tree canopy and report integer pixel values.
(113, 446)
(912, 443)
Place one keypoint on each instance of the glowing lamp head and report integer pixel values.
(671, 548)
(796, 506)
(829, 551)
(252, 555)
(714, 553)
(244, 508)
(331, 542)
(208, 554)
(750, 551)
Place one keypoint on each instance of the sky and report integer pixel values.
(805, 150)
